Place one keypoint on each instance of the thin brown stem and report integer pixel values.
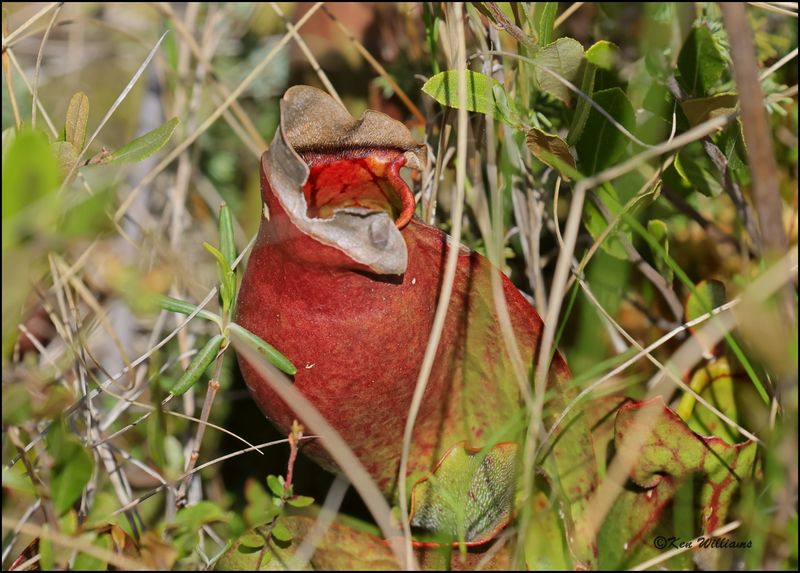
(758, 139)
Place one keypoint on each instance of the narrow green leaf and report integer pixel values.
(77, 119)
(281, 532)
(300, 501)
(700, 63)
(544, 15)
(602, 143)
(583, 107)
(484, 94)
(563, 57)
(182, 307)
(658, 229)
(144, 146)
(198, 365)
(270, 352)
(545, 145)
(46, 557)
(226, 242)
(227, 281)
(276, 485)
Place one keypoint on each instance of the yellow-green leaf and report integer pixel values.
(77, 119)
(603, 54)
(484, 94)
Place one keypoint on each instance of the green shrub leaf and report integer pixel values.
(144, 146)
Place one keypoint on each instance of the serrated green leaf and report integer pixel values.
(484, 94)
(602, 143)
(562, 57)
(603, 54)
(275, 484)
(77, 119)
(267, 350)
(700, 62)
(281, 532)
(545, 145)
(300, 501)
(144, 146)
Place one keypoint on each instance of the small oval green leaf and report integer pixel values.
(198, 365)
(300, 501)
(281, 532)
(276, 485)
(253, 540)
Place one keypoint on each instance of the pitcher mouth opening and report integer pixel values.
(364, 178)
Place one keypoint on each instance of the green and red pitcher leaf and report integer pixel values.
(346, 282)
(670, 455)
